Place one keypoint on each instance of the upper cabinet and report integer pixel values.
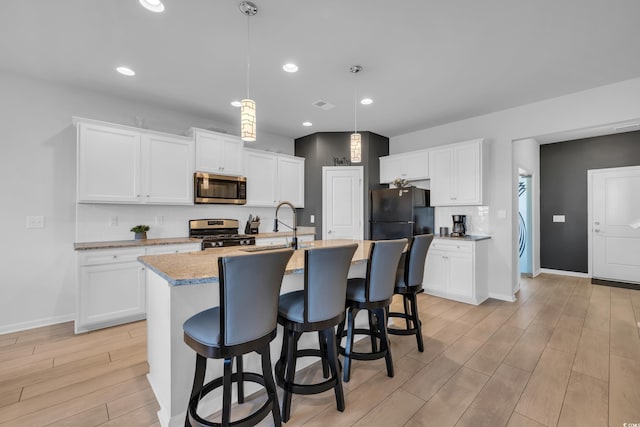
(272, 178)
(120, 164)
(456, 173)
(218, 153)
(410, 166)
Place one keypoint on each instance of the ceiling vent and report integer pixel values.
(323, 105)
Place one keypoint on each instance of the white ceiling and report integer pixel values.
(425, 62)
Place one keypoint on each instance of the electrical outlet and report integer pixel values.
(312, 219)
(113, 221)
(159, 219)
(35, 221)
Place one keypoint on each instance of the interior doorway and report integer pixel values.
(525, 224)
(342, 202)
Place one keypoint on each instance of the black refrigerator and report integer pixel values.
(400, 212)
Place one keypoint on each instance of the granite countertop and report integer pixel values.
(467, 238)
(83, 246)
(202, 267)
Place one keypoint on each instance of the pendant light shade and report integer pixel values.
(355, 147)
(248, 105)
(248, 120)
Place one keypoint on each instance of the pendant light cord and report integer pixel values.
(355, 105)
(248, 52)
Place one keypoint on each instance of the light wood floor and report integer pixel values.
(567, 353)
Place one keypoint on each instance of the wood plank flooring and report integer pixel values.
(567, 353)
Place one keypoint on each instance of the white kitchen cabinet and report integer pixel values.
(111, 288)
(456, 173)
(218, 153)
(284, 240)
(272, 178)
(112, 284)
(412, 166)
(167, 170)
(457, 270)
(121, 164)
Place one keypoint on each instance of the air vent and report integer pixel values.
(323, 105)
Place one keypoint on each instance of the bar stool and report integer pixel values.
(372, 293)
(244, 322)
(319, 307)
(408, 284)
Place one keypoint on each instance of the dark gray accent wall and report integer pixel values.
(563, 191)
(319, 149)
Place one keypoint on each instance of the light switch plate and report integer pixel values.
(312, 219)
(35, 221)
(501, 214)
(113, 221)
(558, 218)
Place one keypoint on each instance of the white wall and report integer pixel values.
(606, 104)
(526, 155)
(37, 177)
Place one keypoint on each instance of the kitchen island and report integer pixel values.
(180, 285)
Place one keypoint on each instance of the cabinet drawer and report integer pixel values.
(452, 246)
(173, 249)
(110, 256)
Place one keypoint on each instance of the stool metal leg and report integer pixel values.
(240, 371)
(384, 339)
(198, 382)
(226, 392)
(416, 321)
(405, 303)
(351, 314)
(323, 354)
(372, 328)
(270, 385)
(292, 349)
(332, 356)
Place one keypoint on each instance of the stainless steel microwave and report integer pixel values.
(219, 189)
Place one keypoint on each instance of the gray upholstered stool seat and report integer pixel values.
(245, 321)
(319, 307)
(372, 293)
(408, 284)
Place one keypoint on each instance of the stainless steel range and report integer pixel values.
(217, 233)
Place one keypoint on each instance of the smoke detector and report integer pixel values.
(323, 105)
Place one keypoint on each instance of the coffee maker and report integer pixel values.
(459, 225)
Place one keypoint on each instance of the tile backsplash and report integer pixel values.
(477, 218)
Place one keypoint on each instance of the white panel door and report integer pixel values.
(342, 202)
(167, 165)
(615, 228)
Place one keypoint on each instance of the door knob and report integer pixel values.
(329, 232)
(597, 230)
(597, 223)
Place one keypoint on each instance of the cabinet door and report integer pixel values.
(460, 274)
(167, 165)
(416, 165)
(291, 180)
(468, 174)
(108, 164)
(391, 168)
(441, 173)
(436, 266)
(111, 294)
(231, 155)
(261, 170)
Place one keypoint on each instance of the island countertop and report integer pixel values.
(202, 267)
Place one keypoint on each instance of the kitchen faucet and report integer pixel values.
(294, 241)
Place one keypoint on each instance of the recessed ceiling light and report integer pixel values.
(126, 71)
(366, 101)
(307, 124)
(153, 5)
(290, 68)
(236, 104)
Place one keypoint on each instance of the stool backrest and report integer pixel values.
(249, 291)
(382, 268)
(325, 281)
(416, 256)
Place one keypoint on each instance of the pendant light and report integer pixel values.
(355, 147)
(248, 105)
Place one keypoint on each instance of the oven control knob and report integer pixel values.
(219, 243)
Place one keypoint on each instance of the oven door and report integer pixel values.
(219, 189)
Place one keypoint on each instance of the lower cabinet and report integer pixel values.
(284, 240)
(457, 270)
(112, 285)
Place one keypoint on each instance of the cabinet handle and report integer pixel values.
(445, 257)
(453, 198)
(137, 195)
(115, 256)
(147, 195)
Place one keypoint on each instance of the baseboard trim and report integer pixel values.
(564, 273)
(503, 297)
(47, 321)
(615, 284)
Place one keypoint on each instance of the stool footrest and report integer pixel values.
(254, 418)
